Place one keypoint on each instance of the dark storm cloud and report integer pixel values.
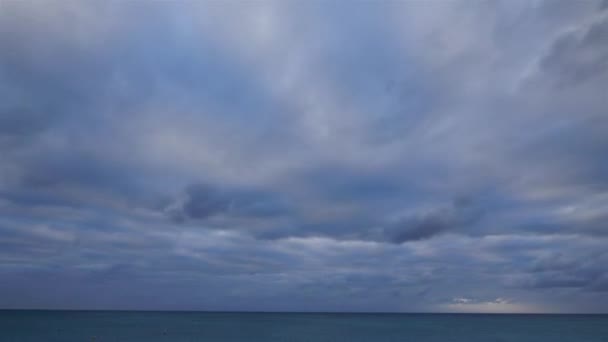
(203, 201)
(426, 225)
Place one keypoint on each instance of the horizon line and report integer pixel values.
(310, 312)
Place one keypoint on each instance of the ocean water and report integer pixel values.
(67, 326)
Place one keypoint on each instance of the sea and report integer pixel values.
(67, 326)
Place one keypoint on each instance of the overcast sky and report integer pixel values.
(302, 155)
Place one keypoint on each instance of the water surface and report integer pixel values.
(67, 326)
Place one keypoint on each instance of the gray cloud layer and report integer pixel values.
(304, 156)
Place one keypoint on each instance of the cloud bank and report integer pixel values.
(304, 156)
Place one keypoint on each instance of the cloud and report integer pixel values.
(201, 201)
(21, 122)
(297, 156)
(581, 271)
(429, 224)
(579, 55)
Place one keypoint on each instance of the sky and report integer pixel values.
(419, 156)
